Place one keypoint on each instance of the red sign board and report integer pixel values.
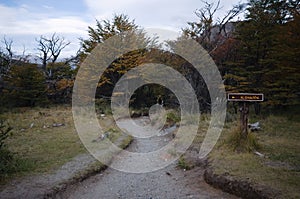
(245, 97)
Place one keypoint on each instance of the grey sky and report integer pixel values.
(24, 20)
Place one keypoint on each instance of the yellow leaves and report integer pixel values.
(235, 77)
(60, 86)
(64, 83)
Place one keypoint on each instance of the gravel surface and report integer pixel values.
(166, 183)
(170, 182)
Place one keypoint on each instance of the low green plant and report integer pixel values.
(103, 106)
(113, 134)
(11, 164)
(182, 163)
(173, 117)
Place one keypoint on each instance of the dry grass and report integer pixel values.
(278, 169)
(41, 147)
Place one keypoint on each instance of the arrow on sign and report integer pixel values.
(246, 97)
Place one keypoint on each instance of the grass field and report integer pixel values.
(278, 141)
(43, 139)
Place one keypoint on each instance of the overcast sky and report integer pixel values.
(24, 20)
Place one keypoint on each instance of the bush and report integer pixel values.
(6, 157)
(10, 164)
(4, 133)
(241, 144)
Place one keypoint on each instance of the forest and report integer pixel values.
(259, 54)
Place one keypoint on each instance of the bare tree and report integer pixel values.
(6, 56)
(57, 44)
(206, 15)
(44, 49)
(50, 48)
(230, 15)
(206, 32)
(11, 57)
(24, 57)
(8, 47)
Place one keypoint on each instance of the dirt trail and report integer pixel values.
(170, 182)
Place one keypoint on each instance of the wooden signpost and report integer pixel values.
(244, 109)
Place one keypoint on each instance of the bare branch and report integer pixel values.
(50, 48)
(231, 14)
(208, 33)
(44, 50)
(8, 47)
(57, 44)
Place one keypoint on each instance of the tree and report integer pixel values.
(50, 48)
(208, 33)
(6, 59)
(287, 53)
(258, 68)
(104, 30)
(211, 34)
(60, 84)
(4, 64)
(25, 86)
(6, 56)
(8, 47)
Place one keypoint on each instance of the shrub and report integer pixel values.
(241, 144)
(4, 133)
(6, 157)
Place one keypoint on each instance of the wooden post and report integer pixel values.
(244, 109)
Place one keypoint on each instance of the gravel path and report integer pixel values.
(170, 182)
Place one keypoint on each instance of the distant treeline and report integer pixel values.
(259, 54)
